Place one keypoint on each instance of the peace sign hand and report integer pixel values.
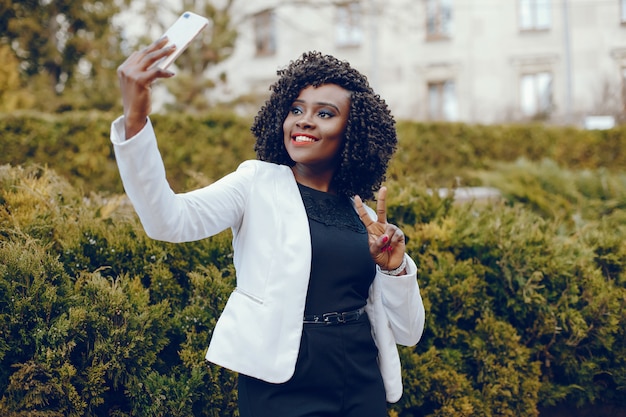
(386, 240)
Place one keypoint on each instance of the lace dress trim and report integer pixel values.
(330, 210)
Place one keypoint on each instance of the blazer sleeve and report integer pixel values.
(403, 304)
(164, 214)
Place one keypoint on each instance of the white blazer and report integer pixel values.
(258, 333)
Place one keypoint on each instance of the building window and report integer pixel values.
(348, 27)
(624, 92)
(438, 19)
(536, 94)
(442, 102)
(265, 33)
(535, 14)
(623, 11)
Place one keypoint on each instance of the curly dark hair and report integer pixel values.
(370, 136)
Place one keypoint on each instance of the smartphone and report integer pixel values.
(181, 33)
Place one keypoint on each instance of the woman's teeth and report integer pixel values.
(303, 139)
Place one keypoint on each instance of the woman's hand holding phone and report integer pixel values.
(136, 76)
(143, 67)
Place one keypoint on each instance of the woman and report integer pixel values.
(324, 289)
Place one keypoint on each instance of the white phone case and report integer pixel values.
(181, 33)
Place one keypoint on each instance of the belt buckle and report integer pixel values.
(334, 315)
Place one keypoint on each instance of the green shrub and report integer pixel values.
(518, 314)
(525, 297)
(77, 146)
(442, 154)
(199, 149)
(97, 319)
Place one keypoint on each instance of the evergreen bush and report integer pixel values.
(200, 149)
(525, 297)
(96, 319)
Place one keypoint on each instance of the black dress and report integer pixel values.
(336, 374)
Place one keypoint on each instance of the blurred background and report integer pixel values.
(472, 61)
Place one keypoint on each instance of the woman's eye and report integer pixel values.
(325, 114)
(296, 110)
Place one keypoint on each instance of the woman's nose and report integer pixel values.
(304, 121)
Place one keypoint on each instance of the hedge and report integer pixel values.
(199, 149)
(525, 297)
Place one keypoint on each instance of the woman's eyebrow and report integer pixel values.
(320, 103)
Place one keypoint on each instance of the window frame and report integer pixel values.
(264, 26)
(540, 110)
(622, 14)
(532, 9)
(623, 92)
(349, 32)
(441, 25)
(445, 111)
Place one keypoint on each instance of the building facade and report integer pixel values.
(473, 61)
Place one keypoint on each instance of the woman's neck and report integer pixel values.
(317, 181)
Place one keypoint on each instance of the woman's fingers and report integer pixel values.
(156, 51)
(376, 229)
(396, 237)
(139, 67)
(136, 76)
(381, 205)
(362, 212)
(386, 240)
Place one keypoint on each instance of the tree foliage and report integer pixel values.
(67, 52)
(12, 96)
(214, 44)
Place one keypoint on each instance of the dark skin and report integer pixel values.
(136, 76)
(313, 134)
(386, 240)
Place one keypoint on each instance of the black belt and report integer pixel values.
(334, 318)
